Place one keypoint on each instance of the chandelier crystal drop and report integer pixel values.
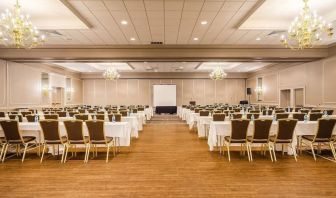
(17, 29)
(306, 30)
(218, 74)
(111, 74)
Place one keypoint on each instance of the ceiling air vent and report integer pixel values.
(156, 43)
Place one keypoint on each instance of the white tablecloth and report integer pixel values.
(121, 130)
(141, 116)
(224, 129)
(149, 113)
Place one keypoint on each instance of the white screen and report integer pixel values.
(164, 95)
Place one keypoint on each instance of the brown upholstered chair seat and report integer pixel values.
(311, 138)
(227, 138)
(25, 140)
(64, 139)
(250, 139)
(272, 139)
(108, 140)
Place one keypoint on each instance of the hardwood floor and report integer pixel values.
(169, 161)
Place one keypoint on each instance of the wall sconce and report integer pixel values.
(46, 90)
(259, 91)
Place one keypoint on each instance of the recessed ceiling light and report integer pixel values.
(123, 22)
(145, 62)
(204, 22)
(195, 39)
(258, 39)
(132, 39)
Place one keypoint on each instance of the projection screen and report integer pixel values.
(164, 95)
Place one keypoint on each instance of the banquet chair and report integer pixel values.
(14, 112)
(329, 112)
(197, 110)
(24, 113)
(81, 111)
(141, 109)
(116, 116)
(249, 116)
(72, 114)
(260, 136)
(15, 116)
(238, 135)
(134, 110)
(306, 111)
(83, 117)
(237, 116)
(281, 116)
(324, 135)
(52, 136)
(98, 137)
(91, 111)
(31, 118)
(204, 113)
(76, 137)
(267, 112)
(255, 111)
(217, 111)
(299, 116)
(51, 117)
(315, 116)
(13, 137)
(2, 114)
(101, 112)
(297, 109)
(123, 113)
(279, 111)
(284, 136)
(100, 117)
(288, 110)
(226, 112)
(237, 110)
(218, 117)
(62, 114)
(315, 111)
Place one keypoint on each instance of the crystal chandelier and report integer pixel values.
(17, 29)
(111, 74)
(218, 74)
(306, 29)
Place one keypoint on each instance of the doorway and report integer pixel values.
(285, 98)
(57, 97)
(299, 97)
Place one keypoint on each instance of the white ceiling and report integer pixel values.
(169, 21)
(46, 14)
(163, 66)
(285, 12)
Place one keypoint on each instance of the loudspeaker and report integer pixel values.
(248, 91)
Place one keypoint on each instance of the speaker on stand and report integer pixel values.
(249, 93)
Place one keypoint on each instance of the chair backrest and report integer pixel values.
(315, 116)
(31, 118)
(83, 117)
(74, 130)
(96, 130)
(100, 117)
(218, 117)
(14, 112)
(281, 116)
(315, 111)
(117, 117)
(217, 111)
(299, 116)
(24, 113)
(325, 128)
(239, 129)
(134, 110)
(261, 129)
(249, 115)
(237, 115)
(2, 114)
(267, 112)
(81, 110)
(255, 111)
(304, 111)
(329, 112)
(101, 112)
(123, 113)
(50, 130)
(297, 109)
(11, 130)
(62, 114)
(51, 117)
(279, 111)
(204, 113)
(286, 129)
(197, 110)
(226, 112)
(141, 109)
(71, 114)
(14, 116)
(91, 111)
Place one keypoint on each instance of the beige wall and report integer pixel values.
(139, 91)
(317, 78)
(21, 86)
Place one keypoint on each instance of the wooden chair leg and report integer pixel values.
(107, 153)
(248, 152)
(43, 149)
(24, 152)
(274, 154)
(228, 151)
(331, 145)
(270, 151)
(4, 153)
(312, 149)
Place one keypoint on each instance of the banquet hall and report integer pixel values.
(167, 98)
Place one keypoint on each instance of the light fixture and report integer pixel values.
(204, 22)
(258, 39)
(306, 30)
(132, 39)
(195, 39)
(218, 74)
(123, 22)
(17, 29)
(111, 74)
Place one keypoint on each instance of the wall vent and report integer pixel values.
(156, 43)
